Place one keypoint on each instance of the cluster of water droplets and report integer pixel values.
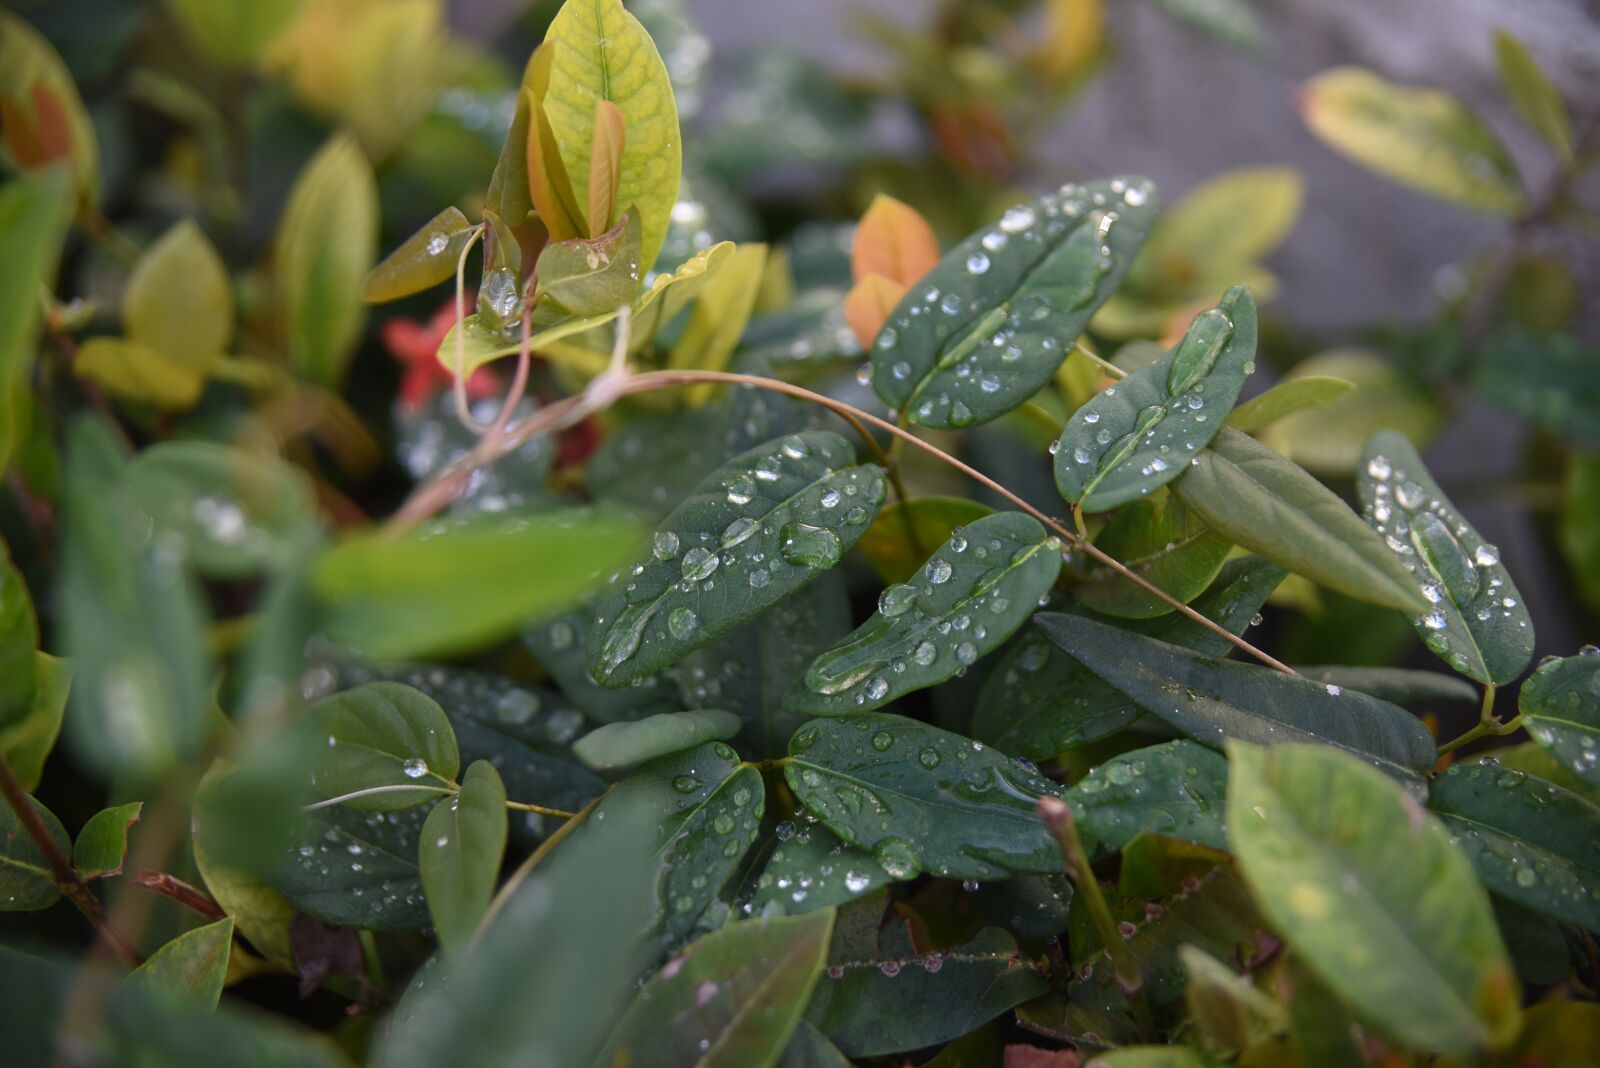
(1500, 856)
(1558, 702)
(432, 437)
(354, 852)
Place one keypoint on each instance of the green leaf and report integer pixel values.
(1580, 525)
(562, 645)
(988, 326)
(19, 643)
(813, 868)
(385, 738)
(41, 106)
(192, 966)
(139, 373)
(1140, 434)
(1215, 700)
(592, 276)
(1528, 840)
(1228, 1011)
(1267, 505)
(1476, 622)
(1232, 22)
(352, 868)
(883, 994)
(425, 259)
(1287, 397)
(1551, 380)
(463, 841)
(758, 528)
(1400, 686)
(103, 842)
(1164, 542)
(1560, 707)
(1425, 138)
(603, 53)
(1039, 701)
(1372, 895)
(731, 1000)
(232, 31)
(922, 799)
(1328, 440)
(132, 620)
(1218, 232)
(26, 882)
(809, 1049)
(459, 584)
(32, 218)
(326, 242)
(1174, 789)
(899, 540)
(179, 299)
(237, 512)
(1531, 90)
(971, 595)
(27, 743)
(622, 745)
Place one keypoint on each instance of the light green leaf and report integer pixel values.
(731, 1001)
(1476, 621)
(358, 869)
(1266, 504)
(603, 53)
(139, 373)
(1328, 439)
(103, 842)
(593, 276)
(1287, 397)
(179, 299)
(1531, 90)
(425, 259)
(458, 584)
(1560, 706)
(1141, 433)
(32, 218)
(19, 644)
(1220, 230)
(386, 738)
(192, 966)
(970, 596)
(622, 745)
(26, 882)
(988, 326)
(922, 799)
(1529, 840)
(1424, 138)
(1174, 789)
(326, 242)
(1372, 895)
(463, 842)
(900, 539)
(1162, 541)
(755, 530)
(27, 743)
(233, 31)
(813, 868)
(1398, 685)
(1215, 700)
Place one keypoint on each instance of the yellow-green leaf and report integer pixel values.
(1286, 398)
(1328, 439)
(1229, 222)
(232, 31)
(1532, 92)
(603, 53)
(719, 317)
(1424, 138)
(26, 744)
(327, 241)
(592, 276)
(42, 114)
(191, 966)
(427, 258)
(31, 222)
(179, 299)
(138, 373)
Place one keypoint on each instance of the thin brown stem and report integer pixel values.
(540, 810)
(170, 886)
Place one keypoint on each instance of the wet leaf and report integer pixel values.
(191, 967)
(758, 528)
(425, 259)
(103, 841)
(1287, 397)
(463, 841)
(593, 276)
(812, 868)
(1476, 621)
(1529, 840)
(731, 1000)
(1264, 503)
(381, 736)
(922, 799)
(971, 595)
(987, 327)
(351, 868)
(26, 882)
(1163, 541)
(1215, 700)
(26, 743)
(622, 745)
(1142, 432)
(1174, 789)
(1372, 895)
(562, 646)
(1401, 686)
(1039, 701)
(1328, 439)
(1560, 706)
(900, 539)
(1424, 138)
(1531, 90)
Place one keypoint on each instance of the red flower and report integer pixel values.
(416, 346)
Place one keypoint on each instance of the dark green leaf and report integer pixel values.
(971, 595)
(1550, 380)
(1266, 504)
(385, 740)
(1214, 700)
(757, 529)
(103, 842)
(1560, 706)
(191, 967)
(1580, 526)
(1175, 789)
(1537, 946)
(1400, 686)
(622, 745)
(809, 1049)
(463, 841)
(988, 326)
(922, 799)
(1039, 701)
(1476, 621)
(1230, 1014)
(19, 644)
(562, 646)
(1372, 895)
(1162, 541)
(1142, 432)
(1528, 840)
(592, 276)
(355, 869)
(431, 437)
(27, 744)
(813, 868)
(427, 258)
(26, 882)
(901, 538)
(731, 1000)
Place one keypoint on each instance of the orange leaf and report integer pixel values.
(43, 140)
(548, 184)
(868, 304)
(893, 241)
(605, 165)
